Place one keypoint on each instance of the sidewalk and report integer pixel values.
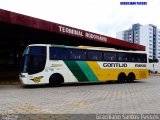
(152, 74)
(9, 82)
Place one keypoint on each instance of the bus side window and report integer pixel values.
(137, 57)
(123, 57)
(109, 56)
(143, 58)
(58, 53)
(131, 57)
(77, 54)
(120, 57)
(94, 55)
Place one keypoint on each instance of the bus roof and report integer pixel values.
(89, 48)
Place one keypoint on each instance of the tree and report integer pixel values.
(153, 60)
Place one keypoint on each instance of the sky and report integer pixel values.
(100, 16)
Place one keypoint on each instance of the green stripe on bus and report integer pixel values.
(77, 72)
(87, 71)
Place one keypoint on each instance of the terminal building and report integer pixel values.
(17, 31)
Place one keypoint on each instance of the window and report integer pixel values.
(141, 58)
(131, 57)
(67, 54)
(94, 55)
(110, 56)
(58, 53)
(122, 57)
(76, 54)
(35, 60)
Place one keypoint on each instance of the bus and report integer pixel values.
(57, 64)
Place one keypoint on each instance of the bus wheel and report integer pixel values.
(121, 78)
(130, 77)
(56, 79)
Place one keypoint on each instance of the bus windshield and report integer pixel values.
(33, 60)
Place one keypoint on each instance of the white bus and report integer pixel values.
(57, 64)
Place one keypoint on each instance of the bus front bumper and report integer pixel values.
(25, 80)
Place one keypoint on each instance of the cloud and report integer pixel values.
(100, 16)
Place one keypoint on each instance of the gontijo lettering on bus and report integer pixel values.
(114, 65)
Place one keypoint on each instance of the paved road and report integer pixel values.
(138, 97)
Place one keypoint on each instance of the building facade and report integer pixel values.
(147, 35)
(131, 35)
(18, 31)
(158, 43)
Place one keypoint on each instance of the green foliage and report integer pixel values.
(153, 60)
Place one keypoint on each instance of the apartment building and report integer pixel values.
(147, 35)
